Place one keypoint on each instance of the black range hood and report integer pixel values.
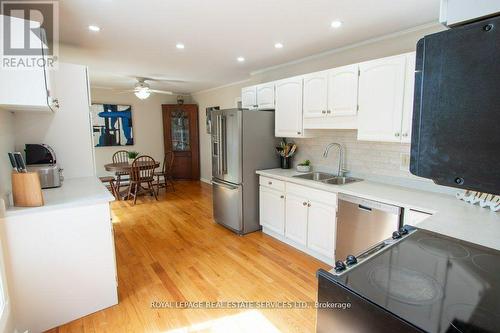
(456, 116)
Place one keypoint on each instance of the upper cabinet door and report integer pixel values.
(316, 94)
(265, 96)
(408, 99)
(343, 91)
(288, 113)
(381, 97)
(249, 97)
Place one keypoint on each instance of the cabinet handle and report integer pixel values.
(299, 132)
(396, 135)
(309, 205)
(282, 196)
(323, 112)
(304, 203)
(329, 111)
(270, 183)
(405, 135)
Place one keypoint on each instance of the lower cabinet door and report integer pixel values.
(296, 218)
(272, 210)
(321, 228)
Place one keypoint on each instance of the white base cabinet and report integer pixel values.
(299, 216)
(61, 264)
(272, 210)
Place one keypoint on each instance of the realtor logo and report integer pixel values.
(29, 33)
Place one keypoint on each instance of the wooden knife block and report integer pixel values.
(26, 189)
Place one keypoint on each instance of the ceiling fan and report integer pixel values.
(143, 90)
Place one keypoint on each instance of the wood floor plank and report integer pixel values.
(172, 250)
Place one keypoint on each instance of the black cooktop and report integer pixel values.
(437, 283)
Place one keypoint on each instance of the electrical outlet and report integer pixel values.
(404, 161)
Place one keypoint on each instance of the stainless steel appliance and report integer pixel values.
(417, 281)
(242, 142)
(455, 136)
(41, 158)
(362, 223)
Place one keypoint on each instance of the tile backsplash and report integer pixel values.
(370, 160)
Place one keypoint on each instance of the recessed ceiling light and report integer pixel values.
(179, 46)
(336, 24)
(278, 45)
(94, 28)
(240, 59)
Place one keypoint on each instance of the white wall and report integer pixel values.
(381, 47)
(146, 121)
(6, 145)
(68, 129)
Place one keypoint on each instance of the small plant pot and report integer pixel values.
(303, 168)
(285, 162)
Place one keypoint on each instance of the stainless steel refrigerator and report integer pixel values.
(242, 142)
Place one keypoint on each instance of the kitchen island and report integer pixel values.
(61, 256)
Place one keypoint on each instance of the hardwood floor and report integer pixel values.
(172, 250)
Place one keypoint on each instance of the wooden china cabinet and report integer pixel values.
(180, 135)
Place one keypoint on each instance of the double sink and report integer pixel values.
(328, 178)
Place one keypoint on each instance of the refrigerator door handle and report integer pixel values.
(218, 124)
(223, 144)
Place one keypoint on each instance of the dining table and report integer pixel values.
(125, 168)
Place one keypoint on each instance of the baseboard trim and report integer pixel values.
(206, 181)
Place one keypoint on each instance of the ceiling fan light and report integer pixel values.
(142, 93)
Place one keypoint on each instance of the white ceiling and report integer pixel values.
(138, 37)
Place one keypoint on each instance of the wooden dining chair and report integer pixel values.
(111, 181)
(166, 172)
(142, 172)
(120, 156)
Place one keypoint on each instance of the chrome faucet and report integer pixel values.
(340, 169)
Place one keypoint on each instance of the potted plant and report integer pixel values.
(132, 155)
(304, 166)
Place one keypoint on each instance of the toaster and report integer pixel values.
(50, 174)
(41, 158)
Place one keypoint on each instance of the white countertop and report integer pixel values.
(73, 192)
(451, 217)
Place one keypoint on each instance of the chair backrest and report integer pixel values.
(120, 156)
(143, 168)
(168, 162)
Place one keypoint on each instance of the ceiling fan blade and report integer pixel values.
(161, 92)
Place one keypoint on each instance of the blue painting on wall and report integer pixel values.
(112, 125)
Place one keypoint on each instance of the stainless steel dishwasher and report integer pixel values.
(362, 223)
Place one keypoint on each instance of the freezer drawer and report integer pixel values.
(363, 223)
(227, 203)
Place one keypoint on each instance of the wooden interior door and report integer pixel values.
(180, 135)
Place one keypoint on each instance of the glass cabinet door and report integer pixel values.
(179, 122)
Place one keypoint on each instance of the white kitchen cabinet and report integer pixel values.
(61, 255)
(408, 98)
(381, 98)
(265, 96)
(315, 95)
(288, 111)
(272, 210)
(321, 228)
(296, 218)
(25, 89)
(456, 12)
(331, 98)
(249, 98)
(300, 216)
(343, 91)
